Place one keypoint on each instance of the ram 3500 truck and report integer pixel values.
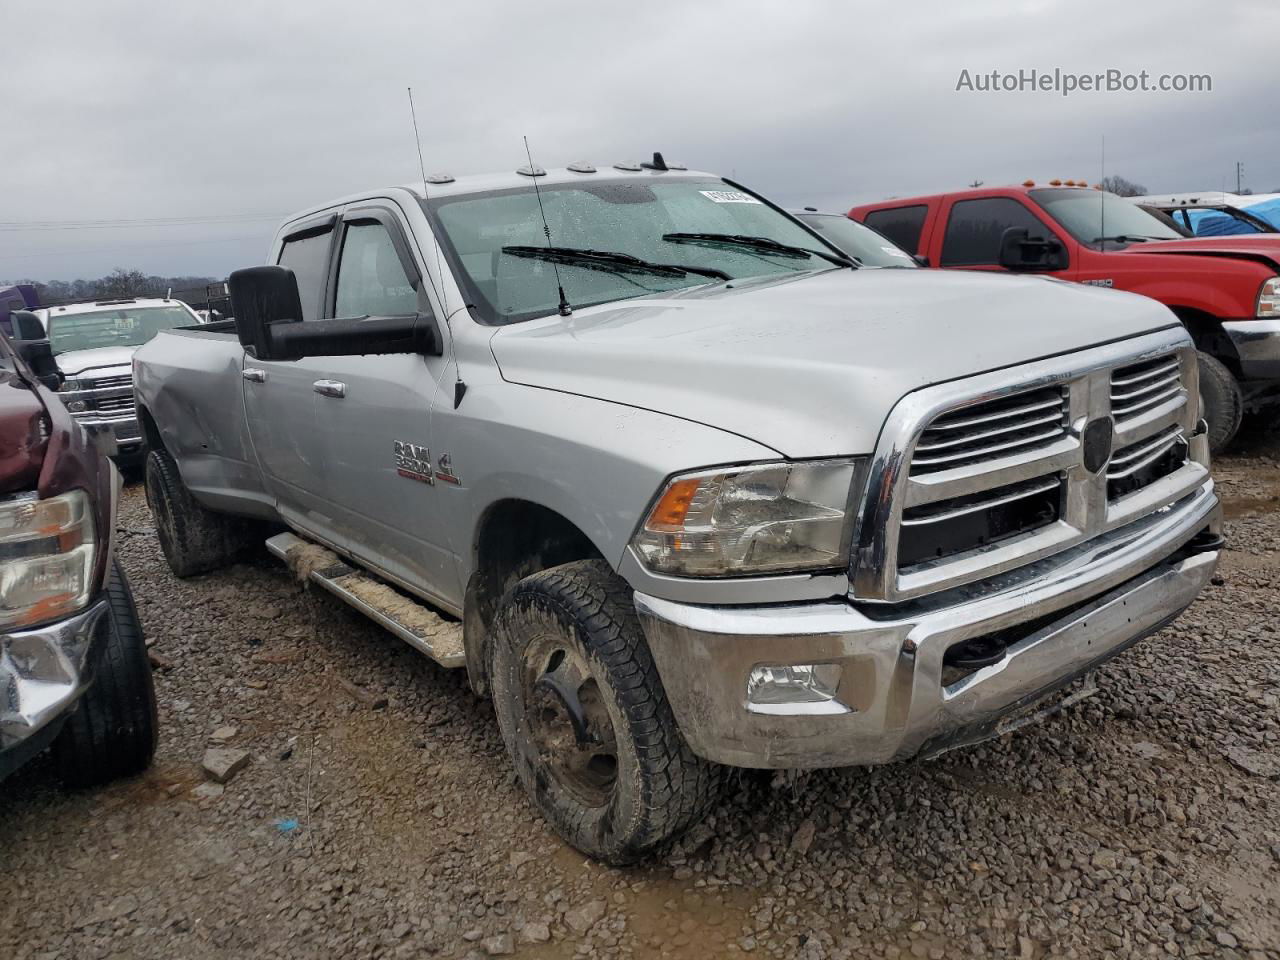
(701, 490)
(1226, 290)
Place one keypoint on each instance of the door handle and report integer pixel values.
(254, 375)
(330, 388)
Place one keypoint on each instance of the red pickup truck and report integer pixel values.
(1225, 289)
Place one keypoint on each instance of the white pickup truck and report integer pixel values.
(701, 489)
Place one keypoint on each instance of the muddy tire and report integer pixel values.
(193, 538)
(585, 719)
(1221, 402)
(112, 732)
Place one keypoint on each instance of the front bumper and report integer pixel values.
(1257, 344)
(892, 700)
(43, 672)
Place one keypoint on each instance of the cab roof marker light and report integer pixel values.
(531, 171)
(628, 166)
(440, 178)
(581, 166)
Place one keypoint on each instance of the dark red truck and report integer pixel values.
(1225, 289)
(74, 673)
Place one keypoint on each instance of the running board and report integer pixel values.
(413, 622)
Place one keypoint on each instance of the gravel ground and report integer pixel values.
(378, 816)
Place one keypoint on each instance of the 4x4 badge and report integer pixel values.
(444, 470)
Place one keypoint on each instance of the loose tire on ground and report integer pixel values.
(1222, 403)
(574, 628)
(193, 538)
(112, 732)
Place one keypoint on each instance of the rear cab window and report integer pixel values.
(902, 225)
(306, 253)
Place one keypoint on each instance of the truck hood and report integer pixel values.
(75, 362)
(23, 439)
(1261, 248)
(810, 366)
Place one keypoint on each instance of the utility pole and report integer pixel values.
(1239, 171)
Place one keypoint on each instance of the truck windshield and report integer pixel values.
(710, 229)
(1097, 218)
(125, 327)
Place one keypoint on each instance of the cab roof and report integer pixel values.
(446, 185)
(113, 303)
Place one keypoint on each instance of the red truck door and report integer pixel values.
(969, 229)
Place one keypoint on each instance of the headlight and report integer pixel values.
(1269, 298)
(768, 518)
(46, 557)
(69, 384)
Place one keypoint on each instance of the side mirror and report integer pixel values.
(268, 316)
(1020, 251)
(26, 325)
(31, 344)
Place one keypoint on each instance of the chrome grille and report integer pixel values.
(992, 429)
(975, 479)
(1141, 387)
(103, 383)
(1143, 463)
(115, 404)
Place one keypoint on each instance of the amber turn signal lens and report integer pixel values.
(670, 511)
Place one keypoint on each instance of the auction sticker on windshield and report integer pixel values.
(728, 196)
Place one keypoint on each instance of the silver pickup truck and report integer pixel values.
(700, 489)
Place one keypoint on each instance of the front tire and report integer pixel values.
(193, 538)
(585, 718)
(1222, 403)
(112, 732)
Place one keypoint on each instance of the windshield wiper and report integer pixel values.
(610, 260)
(766, 244)
(1128, 238)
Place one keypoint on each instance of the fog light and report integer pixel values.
(77, 406)
(802, 688)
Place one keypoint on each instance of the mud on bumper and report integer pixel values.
(894, 697)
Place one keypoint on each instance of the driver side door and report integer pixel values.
(384, 501)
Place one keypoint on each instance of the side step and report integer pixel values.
(413, 622)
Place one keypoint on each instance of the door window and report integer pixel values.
(372, 280)
(307, 255)
(975, 228)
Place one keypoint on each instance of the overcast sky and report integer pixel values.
(142, 111)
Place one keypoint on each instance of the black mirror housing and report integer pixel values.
(1020, 251)
(262, 297)
(361, 336)
(26, 325)
(268, 315)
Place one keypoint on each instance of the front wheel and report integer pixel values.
(1221, 402)
(585, 718)
(112, 732)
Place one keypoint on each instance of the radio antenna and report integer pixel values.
(459, 388)
(565, 310)
(417, 139)
(1102, 204)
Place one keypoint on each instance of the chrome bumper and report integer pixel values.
(1257, 344)
(42, 674)
(891, 701)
